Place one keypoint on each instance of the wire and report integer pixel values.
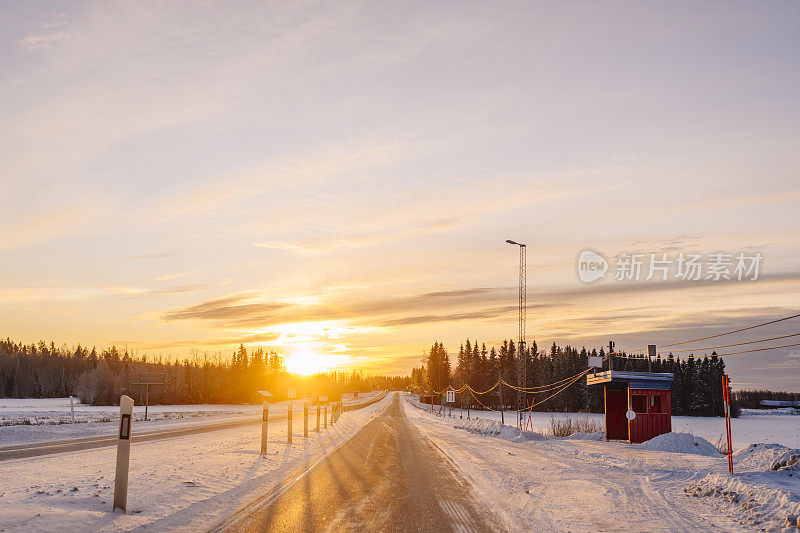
(729, 353)
(737, 344)
(759, 349)
(734, 331)
(558, 392)
(537, 388)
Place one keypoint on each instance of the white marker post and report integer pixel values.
(71, 410)
(264, 422)
(318, 408)
(305, 419)
(290, 395)
(123, 454)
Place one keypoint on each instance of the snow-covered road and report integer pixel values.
(579, 485)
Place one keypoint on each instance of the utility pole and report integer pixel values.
(610, 355)
(522, 362)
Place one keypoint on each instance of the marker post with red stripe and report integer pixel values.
(726, 394)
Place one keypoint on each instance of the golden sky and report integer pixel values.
(339, 179)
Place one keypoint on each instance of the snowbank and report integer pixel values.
(492, 427)
(765, 489)
(753, 499)
(761, 457)
(680, 443)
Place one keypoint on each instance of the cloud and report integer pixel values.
(158, 255)
(35, 42)
(50, 34)
(427, 319)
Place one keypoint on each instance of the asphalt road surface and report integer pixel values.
(388, 477)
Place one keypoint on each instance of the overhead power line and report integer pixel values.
(737, 344)
(730, 332)
(723, 354)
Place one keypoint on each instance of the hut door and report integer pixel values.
(616, 407)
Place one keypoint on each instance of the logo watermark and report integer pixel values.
(716, 266)
(591, 266)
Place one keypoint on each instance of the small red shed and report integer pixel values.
(646, 394)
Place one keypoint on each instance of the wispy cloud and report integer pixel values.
(49, 33)
(158, 255)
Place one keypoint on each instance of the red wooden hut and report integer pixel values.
(646, 394)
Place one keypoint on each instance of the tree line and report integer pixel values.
(99, 378)
(696, 389)
(751, 399)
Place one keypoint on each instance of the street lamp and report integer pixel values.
(522, 363)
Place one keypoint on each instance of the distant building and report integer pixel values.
(775, 404)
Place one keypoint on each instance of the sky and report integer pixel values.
(340, 178)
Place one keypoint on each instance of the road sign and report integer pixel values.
(291, 394)
(151, 378)
(595, 361)
(630, 415)
(451, 396)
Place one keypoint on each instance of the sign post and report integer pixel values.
(71, 410)
(123, 454)
(318, 408)
(146, 379)
(726, 396)
(264, 430)
(451, 399)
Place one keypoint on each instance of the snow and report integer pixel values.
(753, 426)
(39, 420)
(763, 492)
(585, 483)
(680, 443)
(187, 483)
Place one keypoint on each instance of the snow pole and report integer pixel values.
(726, 395)
(123, 454)
(264, 422)
(289, 424)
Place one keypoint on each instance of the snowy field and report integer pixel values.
(775, 426)
(37, 420)
(175, 484)
(675, 482)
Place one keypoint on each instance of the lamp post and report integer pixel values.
(522, 363)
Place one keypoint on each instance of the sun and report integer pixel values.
(305, 362)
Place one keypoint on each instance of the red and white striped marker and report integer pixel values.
(726, 395)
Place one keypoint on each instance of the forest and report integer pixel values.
(99, 378)
(696, 389)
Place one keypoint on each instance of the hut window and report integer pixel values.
(655, 404)
(639, 403)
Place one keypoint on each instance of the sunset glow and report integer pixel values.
(266, 182)
(306, 362)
